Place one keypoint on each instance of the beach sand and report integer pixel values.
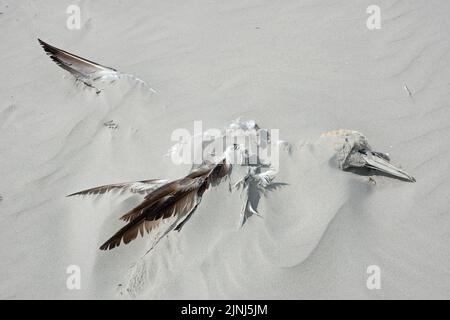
(302, 67)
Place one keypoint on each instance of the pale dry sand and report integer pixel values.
(303, 67)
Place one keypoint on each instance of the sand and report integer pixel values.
(303, 67)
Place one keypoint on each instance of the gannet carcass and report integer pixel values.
(353, 151)
(86, 71)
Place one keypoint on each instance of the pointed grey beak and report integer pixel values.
(379, 161)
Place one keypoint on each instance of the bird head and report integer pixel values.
(352, 150)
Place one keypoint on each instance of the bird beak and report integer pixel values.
(377, 162)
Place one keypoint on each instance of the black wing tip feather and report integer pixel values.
(42, 42)
(109, 245)
(113, 242)
(52, 52)
(73, 194)
(49, 49)
(79, 193)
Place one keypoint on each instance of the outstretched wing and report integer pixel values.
(79, 67)
(141, 187)
(183, 199)
(208, 174)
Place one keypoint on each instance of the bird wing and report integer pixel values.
(210, 173)
(220, 171)
(141, 187)
(79, 67)
(157, 194)
(180, 202)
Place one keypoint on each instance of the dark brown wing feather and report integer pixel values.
(150, 199)
(219, 171)
(202, 171)
(179, 203)
(129, 233)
